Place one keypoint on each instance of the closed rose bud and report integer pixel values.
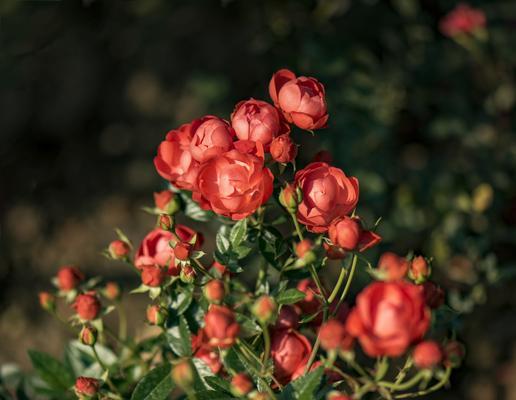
(345, 232)
(221, 327)
(290, 197)
(166, 222)
(434, 295)
(288, 318)
(112, 291)
(264, 309)
(331, 334)
(183, 374)
(156, 315)
(152, 275)
(88, 335)
(214, 291)
(427, 354)
(335, 395)
(87, 306)
(392, 267)
(187, 274)
(119, 250)
(182, 251)
(68, 278)
(47, 301)
(241, 384)
(86, 388)
(283, 149)
(167, 202)
(419, 270)
(454, 353)
(303, 247)
(188, 235)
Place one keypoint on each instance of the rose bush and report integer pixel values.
(215, 333)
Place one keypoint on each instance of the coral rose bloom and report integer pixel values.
(388, 317)
(303, 103)
(290, 352)
(211, 136)
(174, 161)
(277, 81)
(221, 327)
(327, 194)
(234, 184)
(155, 249)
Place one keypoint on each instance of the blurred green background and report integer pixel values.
(427, 123)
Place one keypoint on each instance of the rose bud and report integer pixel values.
(112, 291)
(220, 326)
(454, 353)
(241, 384)
(427, 354)
(47, 301)
(87, 306)
(214, 291)
(257, 121)
(264, 309)
(68, 278)
(88, 335)
(234, 185)
(327, 193)
(174, 162)
(345, 232)
(419, 270)
(290, 352)
(119, 250)
(86, 388)
(302, 101)
(188, 235)
(187, 274)
(331, 334)
(221, 269)
(392, 267)
(202, 350)
(277, 81)
(323, 156)
(434, 295)
(255, 395)
(388, 317)
(288, 318)
(464, 19)
(167, 202)
(290, 197)
(156, 315)
(283, 149)
(334, 252)
(335, 395)
(183, 374)
(166, 222)
(211, 137)
(303, 247)
(152, 275)
(182, 251)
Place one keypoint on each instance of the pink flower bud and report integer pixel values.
(167, 202)
(88, 335)
(166, 222)
(86, 388)
(187, 274)
(214, 291)
(87, 306)
(333, 336)
(290, 197)
(393, 267)
(182, 374)
(112, 291)
(118, 249)
(264, 309)
(68, 278)
(419, 270)
(427, 354)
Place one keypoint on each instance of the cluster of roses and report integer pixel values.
(227, 168)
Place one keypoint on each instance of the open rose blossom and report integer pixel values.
(348, 233)
(221, 326)
(462, 20)
(156, 250)
(211, 136)
(277, 81)
(203, 351)
(87, 306)
(388, 317)
(68, 278)
(283, 149)
(327, 194)
(234, 184)
(257, 121)
(174, 161)
(152, 275)
(290, 352)
(303, 102)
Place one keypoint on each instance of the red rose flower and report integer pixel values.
(257, 121)
(85, 386)
(392, 266)
(152, 275)
(186, 234)
(290, 352)
(388, 317)
(277, 81)
(87, 306)
(174, 161)
(221, 326)
(327, 194)
(234, 184)
(203, 351)
(214, 291)
(333, 336)
(303, 102)
(211, 136)
(283, 149)
(427, 354)
(68, 278)
(463, 19)
(156, 250)
(348, 233)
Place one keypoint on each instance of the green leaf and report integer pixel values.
(193, 210)
(248, 327)
(238, 233)
(52, 371)
(156, 385)
(222, 242)
(304, 387)
(179, 338)
(217, 383)
(182, 300)
(290, 296)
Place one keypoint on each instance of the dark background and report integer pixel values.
(89, 89)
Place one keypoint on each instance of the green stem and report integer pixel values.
(201, 268)
(431, 389)
(317, 343)
(405, 385)
(318, 283)
(336, 289)
(348, 283)
(296, 224)
(104, 367)
(267, 344)
(122, 321)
